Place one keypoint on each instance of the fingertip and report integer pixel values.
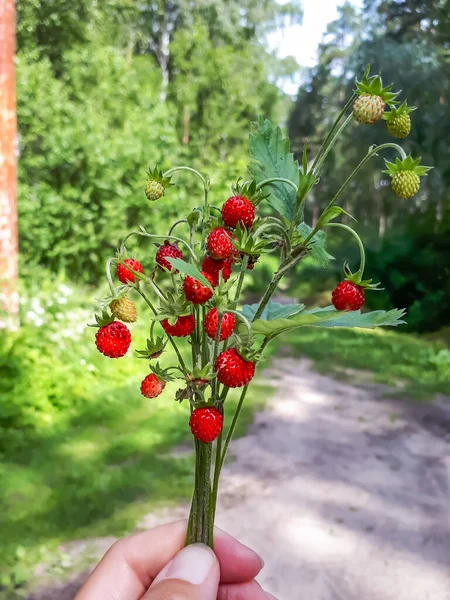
(238, 562)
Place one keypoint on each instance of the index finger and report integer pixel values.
(130, 565)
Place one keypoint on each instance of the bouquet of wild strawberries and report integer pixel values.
(197, 281)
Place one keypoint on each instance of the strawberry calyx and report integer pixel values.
(407, 164)
(154, 348)
(106, 318)
(249, 191)
(163, 374)
(395, 112)
(355, 278)
(373, 85)
(171, 307)
(157, 176)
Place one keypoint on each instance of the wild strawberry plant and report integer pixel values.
(194, 286)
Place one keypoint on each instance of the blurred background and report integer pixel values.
(106, 89)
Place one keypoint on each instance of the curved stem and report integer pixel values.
(175, 225)
(175, 347)
(174, 169)
(243, 319)
(277, 180)
(164, 237)
(332, 142)
(240, 281)
(362, 253)
(332, 130)
(230, 433)
(108, 275)
(372, 152)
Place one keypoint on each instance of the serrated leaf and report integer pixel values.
(272, 158)
(329, 317)
(317, 243)
(273, 310)
(190, 270)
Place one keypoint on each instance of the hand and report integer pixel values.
(155, 565)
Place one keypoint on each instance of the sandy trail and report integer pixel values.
(344, 492)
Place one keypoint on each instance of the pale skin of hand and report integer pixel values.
(155, 565)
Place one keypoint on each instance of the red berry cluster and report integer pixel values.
(232, 370)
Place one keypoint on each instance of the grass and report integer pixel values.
(417, 367)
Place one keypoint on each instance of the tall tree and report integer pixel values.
(9, 302)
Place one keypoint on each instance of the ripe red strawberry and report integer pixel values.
(167, 250)
(219, 243)
(196, 292)
(226, 326)
(238, 209)
(113, 340)
(347, 296)
(233, 370)
(182, 327)
(206, 424)
(152, 386)
(125, 275)
(215, 267)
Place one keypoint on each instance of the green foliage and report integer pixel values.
(272, 158)
(276, 321)
(101, 96)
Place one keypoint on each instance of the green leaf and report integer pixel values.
(318, 244)
(332, 213)
(272, 311)
(190, 270)
(272, 158)
(329, 317)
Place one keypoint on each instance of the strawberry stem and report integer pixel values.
(277, 180)
(362, 253)
(319, 163)
(331, 132)
(183, 168)
(109, 262)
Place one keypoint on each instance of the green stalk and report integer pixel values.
(372, 152)
(332, 143)
(230, 433)
(160, 237)
(175, 347)
(240, 281)
(175, 169)
(362, 252)
(175, 225)
(108, 275)
(332, 130)
(277, 180)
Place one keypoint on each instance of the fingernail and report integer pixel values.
(192, 564)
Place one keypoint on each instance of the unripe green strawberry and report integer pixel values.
(124, 310)
(156, 184)
(399, 126)
(405, 184)
(398, 121)
(154, 190)
(372, 99)
(368, 108)
(405, 175)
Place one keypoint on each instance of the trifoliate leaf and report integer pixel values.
(272, 158)
(329, 317)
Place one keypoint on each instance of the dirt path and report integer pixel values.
(344, 492)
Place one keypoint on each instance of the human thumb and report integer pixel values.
(193, 574)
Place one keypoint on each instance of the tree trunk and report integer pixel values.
(9, 300)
